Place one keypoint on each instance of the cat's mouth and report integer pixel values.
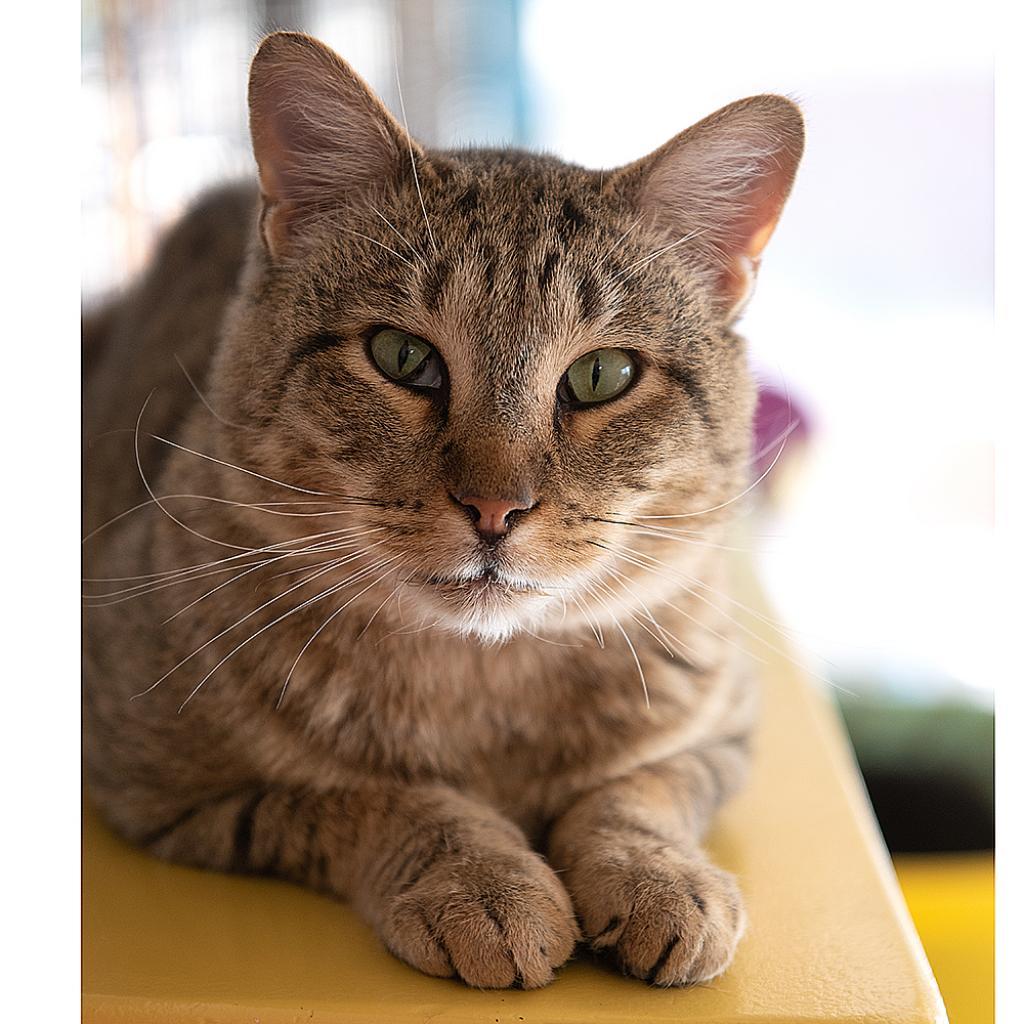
(485, 581)
(482, 601)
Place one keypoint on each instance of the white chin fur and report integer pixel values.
(493, 623)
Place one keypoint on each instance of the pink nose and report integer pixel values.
(494, 517)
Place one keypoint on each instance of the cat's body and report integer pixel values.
(378, 743)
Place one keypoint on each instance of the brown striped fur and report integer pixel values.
(441, 750)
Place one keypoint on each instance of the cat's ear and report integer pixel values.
(721, 186)
(319, 133)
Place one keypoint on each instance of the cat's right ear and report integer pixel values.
(718, 190)
(319, 133)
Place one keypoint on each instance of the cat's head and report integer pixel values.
(505, 357)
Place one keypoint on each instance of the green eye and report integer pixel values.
(406, 358)
(598, 376)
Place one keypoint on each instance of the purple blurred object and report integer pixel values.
(780, 426)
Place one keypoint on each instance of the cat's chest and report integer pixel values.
(496, 721)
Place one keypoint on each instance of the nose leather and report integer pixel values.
(493, 517)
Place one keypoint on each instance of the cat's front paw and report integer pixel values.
(667, 915)
(494, 919)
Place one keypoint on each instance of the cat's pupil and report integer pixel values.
(403, 355)
(595, 373)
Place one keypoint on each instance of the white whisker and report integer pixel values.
(368, 238)
(592, 623)
(292, 611)
(725, 504)
(263, 506)
(412, 158)
(335, 563)
(629, 643)
(228, 629)
(674, 607)
(229, 465)
(330, 618)
(663, 635)
(628, 272)
(156, 500)
(186, 570)
(413, 248)
(628, 232)
(202, 398)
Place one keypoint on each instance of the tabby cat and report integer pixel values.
(407, 479)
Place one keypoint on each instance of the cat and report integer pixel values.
(407, 474)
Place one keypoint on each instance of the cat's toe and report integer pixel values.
(666, 916)
(503, 923)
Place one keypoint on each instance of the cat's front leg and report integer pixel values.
(642, 887)
(450, 886)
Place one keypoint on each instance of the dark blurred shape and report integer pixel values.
(928, 769)
(929, 813)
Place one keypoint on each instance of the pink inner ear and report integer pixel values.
(743, 244)
(763, 205)
(725, 181)
(272, 160)
(319, 133)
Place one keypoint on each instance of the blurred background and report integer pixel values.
(872, 331)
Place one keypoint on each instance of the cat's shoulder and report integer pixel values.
(218, 223)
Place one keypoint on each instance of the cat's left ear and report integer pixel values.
(718, 189)
(320, 135)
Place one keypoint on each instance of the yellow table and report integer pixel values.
(952, 901)
(830, 939)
